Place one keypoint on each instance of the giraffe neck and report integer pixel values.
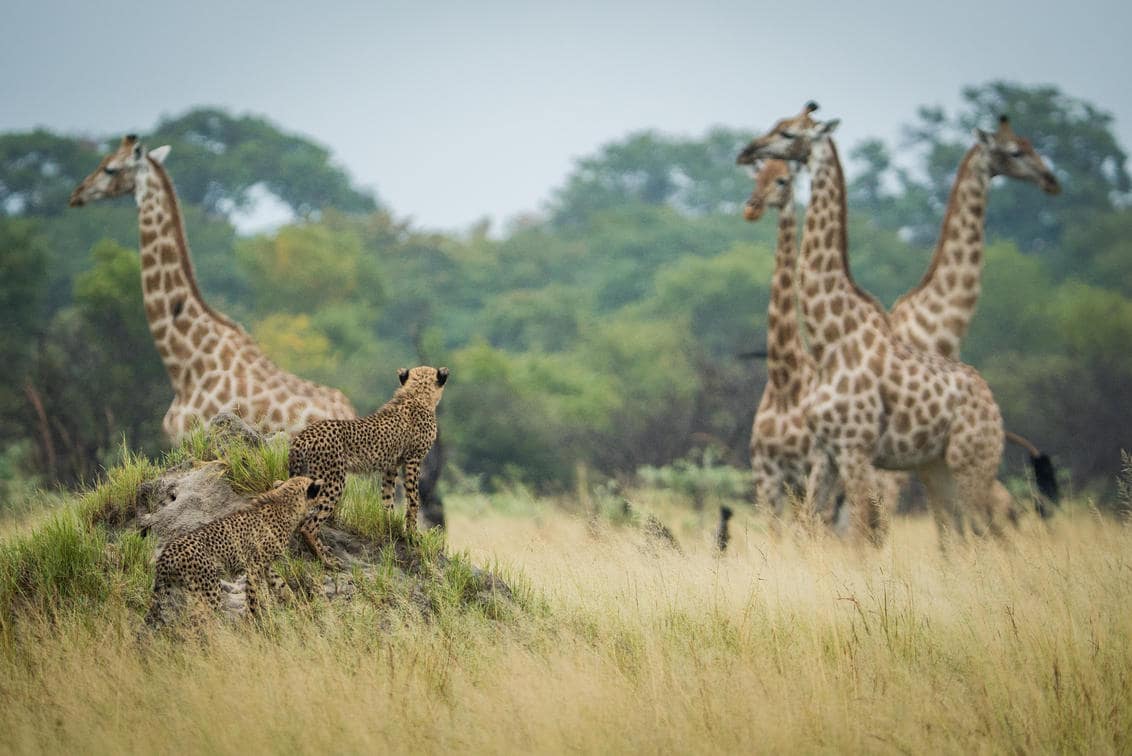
(784, 351)
(935, 315)
(833, 305)
(180, 321)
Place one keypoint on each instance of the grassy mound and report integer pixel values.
(89, 556)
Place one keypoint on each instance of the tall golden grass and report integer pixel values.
(796, 644)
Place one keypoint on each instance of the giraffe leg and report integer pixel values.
(861, 496)
(769, 495)
(410, 475)
(889, 485)
(333, 483)
(980, 494)
(943, 500)
(821, 486)
(973, 454)
(1004, 504)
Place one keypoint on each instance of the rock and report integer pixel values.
(185, 498)
(229, 426)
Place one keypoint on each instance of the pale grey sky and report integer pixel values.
(454, 111)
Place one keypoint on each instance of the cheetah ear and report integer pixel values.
(278, 483)
(403, 374)
(441, 376)
(313, 489)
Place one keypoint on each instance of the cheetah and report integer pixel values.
(245, 541)
(398, 435)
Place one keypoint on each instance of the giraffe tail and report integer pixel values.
(1045, 475)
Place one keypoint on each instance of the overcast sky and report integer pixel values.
(453, 111)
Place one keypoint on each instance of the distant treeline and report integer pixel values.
(602, 331)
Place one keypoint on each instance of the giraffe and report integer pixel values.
(934, 316)
(780, 440)
(877, 402)
(213, 364)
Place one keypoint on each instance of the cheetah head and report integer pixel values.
(423, 382)
(296, 485)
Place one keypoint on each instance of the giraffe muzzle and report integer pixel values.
(1050, 184)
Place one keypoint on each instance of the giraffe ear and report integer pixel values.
(159, 154)
(403, 375)
(983, 137)
(825, 128)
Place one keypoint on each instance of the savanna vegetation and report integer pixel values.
(596, 390)
(601, 331)
(611, 640)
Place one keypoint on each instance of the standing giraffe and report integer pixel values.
(935, 315)
(876, 402)
(213, 364)
(780, 440)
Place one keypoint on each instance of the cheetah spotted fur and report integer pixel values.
(398, 435)
(245, 541)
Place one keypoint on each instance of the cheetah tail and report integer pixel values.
(1045, 475)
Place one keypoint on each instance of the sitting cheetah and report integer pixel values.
(245, 541)
(398, 435)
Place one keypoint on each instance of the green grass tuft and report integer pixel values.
(115, 499)
(251, 468)
(67, 563)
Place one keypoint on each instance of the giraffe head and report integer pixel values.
(789, 139)
(1014, 156)
(118, 172)
(772, 189)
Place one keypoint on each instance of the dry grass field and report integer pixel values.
(620, 645)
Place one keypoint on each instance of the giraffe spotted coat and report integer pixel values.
(212, 363)
(876, 402)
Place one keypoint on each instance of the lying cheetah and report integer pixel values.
(245, 541)
(398, 435)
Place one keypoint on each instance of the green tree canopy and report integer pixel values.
(218, 161)
(692, 175)
(1074, 136)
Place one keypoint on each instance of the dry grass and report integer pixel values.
(790, 646)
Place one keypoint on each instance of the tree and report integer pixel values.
(23, 289)
(97, 377)
(1073, 135)
(694, 176)
(39, 170)
(222, 158)
(220, 161)
(304, 267)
